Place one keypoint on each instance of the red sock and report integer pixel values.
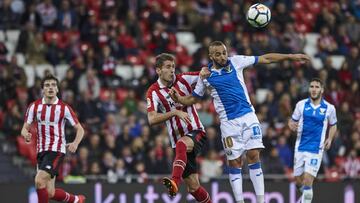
(179, 163)
(201, 195)
(62, 196)
(43, 196)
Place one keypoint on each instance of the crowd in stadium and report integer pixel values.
(94, 37)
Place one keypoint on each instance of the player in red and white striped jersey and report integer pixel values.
(185, 129)
(50, 114)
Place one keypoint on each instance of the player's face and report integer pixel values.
(167, 71)
(315, 90)
(50, 88)
(219, 55)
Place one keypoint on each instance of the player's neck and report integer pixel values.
(166, 83)
(49, 100)
(316, 101)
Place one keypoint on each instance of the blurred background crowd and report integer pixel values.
(106, 50)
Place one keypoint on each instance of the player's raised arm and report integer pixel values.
(184, 100)
(275, 57)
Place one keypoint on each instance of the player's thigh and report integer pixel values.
(50, 187)
(299, 163)
(312, 163)
(232, 140)
(188, 142)
(192, 182)
(252, 132)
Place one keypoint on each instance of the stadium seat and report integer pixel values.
(121, 94)
(138, 71)
(61, 71)
(20, 59)
(30, 75)
(261, 95)
(337, 61)
(124, 71)
(41, 68)
(317, 63)
(13, 35)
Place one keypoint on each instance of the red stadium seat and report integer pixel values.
(121, 94)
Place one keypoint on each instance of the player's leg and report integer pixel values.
(196, 190)
(183, 145)
(58, 194)
(235, 178)
(299, 168)
(311, 168)
(253, 147)
(41, 180)
(299, 183)
(256, 174)
(307, 188)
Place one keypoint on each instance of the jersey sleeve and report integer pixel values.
(200, 88)
(190, 77)
(29, 115)
(151, 101)
(332, 116)
(297, 112)
(242, 61)
(70, 115)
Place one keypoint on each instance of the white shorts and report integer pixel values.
(241, 134)
(307, 162)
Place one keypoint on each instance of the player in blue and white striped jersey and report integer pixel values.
(240, 128)
(310, 120)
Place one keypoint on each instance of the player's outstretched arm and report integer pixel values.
(25, 132)
(156, 118)
(79, 136)
(275, 57)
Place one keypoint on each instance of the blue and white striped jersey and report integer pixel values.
(313, 123)
(227, 87)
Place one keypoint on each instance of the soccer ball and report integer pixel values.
(258, 15)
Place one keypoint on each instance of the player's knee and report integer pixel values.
(236, 163)
(40, 183)
(193, 187)
(51, 192)
(307, 181)
(188, 142)
(253, 156)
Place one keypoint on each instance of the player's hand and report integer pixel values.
(72, 147)
(174, 94)
(183, 116)
(300, 57)
(204, 73)
(327, 144)
(27, 137)
(293, 125)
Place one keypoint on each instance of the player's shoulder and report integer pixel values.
(153, 87)
(302, 102)
(328, 104)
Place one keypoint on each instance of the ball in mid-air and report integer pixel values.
(258, 15)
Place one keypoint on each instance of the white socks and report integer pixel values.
(235, 178)
(257, 179)
(307, 194)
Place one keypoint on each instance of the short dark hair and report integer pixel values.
(317, 80)
(49, 77)
(161, 58)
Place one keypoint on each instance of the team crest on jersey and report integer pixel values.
(322, 111)
(228, 152)
(228, 69)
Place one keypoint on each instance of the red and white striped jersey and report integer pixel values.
(159, 100)
(50, 120)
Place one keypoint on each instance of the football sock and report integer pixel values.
(257, 179)
(62, 196)
(307, 194)
(179, 163)
(43, 196)
(201, 195)
(235, 178)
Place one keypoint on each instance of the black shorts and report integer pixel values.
(50, 162)
(199, 139)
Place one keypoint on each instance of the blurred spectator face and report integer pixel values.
(108, 159)
(211, 133)
(95, 140)
(83, 153)
(120, 164)
(274, 152)
(95, 168)
(282, 141)
(345, 107)
(315, 90)
(110, 141)
(65, 5)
